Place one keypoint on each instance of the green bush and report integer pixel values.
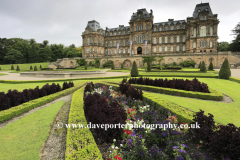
(134, 70)
(203, 67)
(0, 68)
(122, 66)
(31, 68)
(225, 71)
(12, 67)
(199, 66)
(35, 68)
(85, 66)
(174, 64)
(90, 63)
(188, 63)
(149, 66)
(18, 69)
(107, 64)
(112, 67)
(81, 62)
(210, 67)
(40, 67)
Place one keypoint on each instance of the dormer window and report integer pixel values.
(199, 10)
(201, 17)
(206, 9)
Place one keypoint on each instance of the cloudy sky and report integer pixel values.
(63, 21)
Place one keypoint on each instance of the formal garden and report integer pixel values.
(154, 95)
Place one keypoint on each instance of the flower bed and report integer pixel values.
(15, 98)
(112, 107)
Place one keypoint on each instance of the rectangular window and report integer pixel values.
(183, 48)
(171, 48)
(106, 44)
(154, 49)
(146, 51)
(171, 27)
(123, 50)
(146, 37)
(137, 39)
(171, 39)
(132, 28)
(194, 33)
(119, 43)
(128, 50)
(146, 27)
(178, 39)
(160, 29)
(141, 38)
(160, 49)
(211, 44)
(177, 49)
(123, 43)
(155, 29)
(211, 31)
(184, 38)
(115, 43)
(115, 51)
(110, 44)
(154, 40)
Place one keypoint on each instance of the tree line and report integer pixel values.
(18, 50)
(235, 44)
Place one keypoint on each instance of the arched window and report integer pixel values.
(203, 31)
(194, 44)
(171, 27)
(166, 40)
(171, 48)
(178, 39)
(160, 49)
(155, 29)
(166, 28)
(160, 28)
(154, 41)
(172, 39)
(160, 40)
(177, 48)
(183, 48)
(166, 49)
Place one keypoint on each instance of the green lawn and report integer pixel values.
(22, 139)
(2, 74)
(23, 67)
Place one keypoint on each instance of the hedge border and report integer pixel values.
(80, 143)
(214, 95)
(25, 107)
(59, 80)
(179, 76)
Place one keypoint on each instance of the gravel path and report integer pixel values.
(234, 72)
(16, 76)
(67, 98)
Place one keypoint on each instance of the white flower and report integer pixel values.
(121, 145)
(112, 147)
(146, 131)
(116, 147)
(114, 140)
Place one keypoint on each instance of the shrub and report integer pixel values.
(206, 130)
(90, 63)
(174, 63)
(210, 67)
(107, 64)
(89, 87)
(40, 67)
(203, 67)
(98, 111)
(199, 66)
(35, 68)
(122, 66)
(149, 66)
(112, 67)
(18, 69)
(85, 66)
(188, 63)
(0, 68)
(12, 67)
(134, 70)
(134, 93)
(31, 68)
(225, 71)
(81, 62)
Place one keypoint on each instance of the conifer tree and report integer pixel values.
(225, 71)
(134, 71)
(203, 67)
(210, 66)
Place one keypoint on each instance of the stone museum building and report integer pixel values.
(194, 38)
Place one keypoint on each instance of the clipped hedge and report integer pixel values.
(214, 95)
(80, 143)
(60, 80)
(234, 79)
(25, 107)
(183, 114)
(165, 75)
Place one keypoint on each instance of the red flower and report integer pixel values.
(183, 122)
(109, 158)
(116, 156)
(198, 144)
(119, 158)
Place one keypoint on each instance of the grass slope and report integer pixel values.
(23, 138)
(23, 67)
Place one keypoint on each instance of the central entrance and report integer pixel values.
(139, 50)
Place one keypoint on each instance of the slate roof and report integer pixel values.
(94, 25)
(201, 7)
(170, 22)
(145, 14)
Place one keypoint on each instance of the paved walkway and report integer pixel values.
(234, 72)
(16, 76)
